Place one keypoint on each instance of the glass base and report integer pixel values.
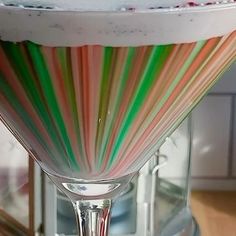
(174, 218)
(182, 225)
(92, 201)
(192, 229)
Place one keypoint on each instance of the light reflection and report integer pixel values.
(206, 149)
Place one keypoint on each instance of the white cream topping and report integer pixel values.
(106, 5)
(120, 27)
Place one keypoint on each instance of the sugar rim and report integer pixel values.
(187, 7)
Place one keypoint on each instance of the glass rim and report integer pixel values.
(204, 7)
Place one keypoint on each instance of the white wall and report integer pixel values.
(214, 137)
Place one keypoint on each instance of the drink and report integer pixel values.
(92, 95)
(99, 123)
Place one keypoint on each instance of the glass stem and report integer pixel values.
(93, 217)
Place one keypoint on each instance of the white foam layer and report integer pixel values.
(105, 5)
(117, 28)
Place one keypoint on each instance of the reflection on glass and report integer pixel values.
(123, 216)
(155, 201)
(14, 191)
(173, 182)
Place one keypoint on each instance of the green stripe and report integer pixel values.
(26, 119)
(104, 94)
(178, 78)
(124, 77)
(63, 55)
(153, 68)
(24, 75)
(49, 95)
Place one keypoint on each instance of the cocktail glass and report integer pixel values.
(92, 90)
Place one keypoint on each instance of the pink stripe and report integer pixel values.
(170, 115)
(57, 78)
(6, 69)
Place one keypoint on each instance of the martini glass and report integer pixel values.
(92, 90)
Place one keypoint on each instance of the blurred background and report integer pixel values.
(214, 137)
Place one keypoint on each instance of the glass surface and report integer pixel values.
(14, 182)
(93, 94)
(97, 112)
